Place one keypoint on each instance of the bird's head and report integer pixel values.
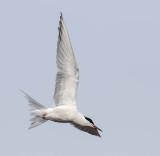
(92, 123)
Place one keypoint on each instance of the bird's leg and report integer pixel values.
(43, 116)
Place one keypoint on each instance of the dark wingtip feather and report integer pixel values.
(60, 26)
(61, 16)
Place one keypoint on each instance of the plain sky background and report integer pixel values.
(117, 48)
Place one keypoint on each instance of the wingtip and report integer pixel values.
(99, 135)
(61, 15)
(23, 92)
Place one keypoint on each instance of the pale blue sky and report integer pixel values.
(117, 48)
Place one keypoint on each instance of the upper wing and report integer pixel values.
(87, 129)
(67, 74)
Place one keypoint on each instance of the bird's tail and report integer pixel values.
(37, 111)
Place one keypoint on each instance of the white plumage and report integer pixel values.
(68, 74)
(67, 78)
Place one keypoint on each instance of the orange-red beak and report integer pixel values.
(97, 128)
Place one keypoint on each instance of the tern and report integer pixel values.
(65, 109)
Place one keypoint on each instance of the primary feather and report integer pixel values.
(68, 74)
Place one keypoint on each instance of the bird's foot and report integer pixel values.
(44, 116)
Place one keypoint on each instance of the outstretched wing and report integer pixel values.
(67, 75)
(87, 129)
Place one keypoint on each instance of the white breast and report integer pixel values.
(62, 113)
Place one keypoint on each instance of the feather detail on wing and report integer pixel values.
(67, 75)
(87, 129)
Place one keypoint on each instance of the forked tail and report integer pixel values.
(36, 110)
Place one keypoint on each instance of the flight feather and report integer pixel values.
(68, 74)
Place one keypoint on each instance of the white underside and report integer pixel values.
(63, 113)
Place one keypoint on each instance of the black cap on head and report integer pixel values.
(89, 120)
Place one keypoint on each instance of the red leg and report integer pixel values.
(43, 116)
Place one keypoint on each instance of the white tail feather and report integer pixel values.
(37, 111)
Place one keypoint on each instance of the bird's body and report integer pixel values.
(65, 109)
(63, 114)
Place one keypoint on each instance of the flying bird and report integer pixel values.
(65, 109)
